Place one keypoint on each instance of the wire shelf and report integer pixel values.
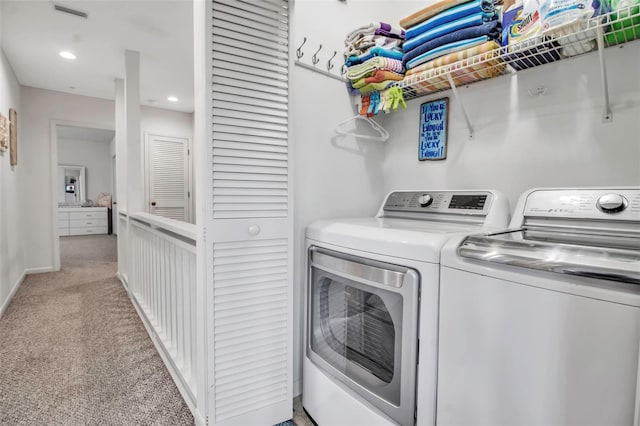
(576, 38)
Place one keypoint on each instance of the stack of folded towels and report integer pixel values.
(373, 57)
(449, 27)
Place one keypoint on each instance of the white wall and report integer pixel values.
(525, 141)
(166, 123)
(12, 257)
(333, 176)
(95, 157)
(39, 107)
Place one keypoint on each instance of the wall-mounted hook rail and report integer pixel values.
(320, 71)
(329, 64)
(299, 52)
(459, 101)
(314, 58)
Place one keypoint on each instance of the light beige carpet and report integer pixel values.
(73, 351)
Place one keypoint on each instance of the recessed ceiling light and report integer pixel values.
(172, 99)
(67, 55)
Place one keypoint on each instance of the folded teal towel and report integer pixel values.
(374, 51)
(466, 22)
(488, 29)
(449, 15)
(446, 49)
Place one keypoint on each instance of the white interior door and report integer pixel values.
(251, 227)
(168, 177)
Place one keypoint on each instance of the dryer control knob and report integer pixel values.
(425, 200)
(612, 203)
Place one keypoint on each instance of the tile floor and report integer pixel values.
(300, 418)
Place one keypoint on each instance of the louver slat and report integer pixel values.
(229, 34)
(270, 27)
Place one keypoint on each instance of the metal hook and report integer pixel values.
(329, 64)
(300, 53)
(315, 58)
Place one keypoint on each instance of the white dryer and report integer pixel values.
(372, 306)
(540, 324)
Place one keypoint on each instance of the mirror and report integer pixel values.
(71, 185)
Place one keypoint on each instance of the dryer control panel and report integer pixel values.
(444, 202)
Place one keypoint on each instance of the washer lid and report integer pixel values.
(419, 240)
(617, 261)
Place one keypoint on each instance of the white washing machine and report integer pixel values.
(540, 324)
(372, 306)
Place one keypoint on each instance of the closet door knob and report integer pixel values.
(254, 230)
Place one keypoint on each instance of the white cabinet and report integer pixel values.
(82, 221)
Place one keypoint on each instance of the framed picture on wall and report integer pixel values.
(434, 120)
(13, 136)
(4, 133)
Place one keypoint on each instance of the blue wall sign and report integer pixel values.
(434, 117)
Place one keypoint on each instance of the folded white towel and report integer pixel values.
(370, 29)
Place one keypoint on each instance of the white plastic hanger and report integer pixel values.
(383, 134)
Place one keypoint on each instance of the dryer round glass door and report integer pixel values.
(363, 328)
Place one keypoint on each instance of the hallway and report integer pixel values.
(74, 350)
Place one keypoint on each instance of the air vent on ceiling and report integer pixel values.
(70, 11)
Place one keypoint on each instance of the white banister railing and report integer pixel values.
(160, 266)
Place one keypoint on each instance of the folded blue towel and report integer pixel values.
(449, 27)
(489, 29)
(451, 15)
(446, 49)
(374, 51)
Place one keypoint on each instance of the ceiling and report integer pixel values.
(85, 134)
(33, 34)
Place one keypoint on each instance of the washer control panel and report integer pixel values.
(466, 202)
(612, 204)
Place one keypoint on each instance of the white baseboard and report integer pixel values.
(123, 280)
(42, 270)
(297, 387)
(12, 293)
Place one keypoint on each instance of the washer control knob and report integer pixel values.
(425, 200)
(611, 203)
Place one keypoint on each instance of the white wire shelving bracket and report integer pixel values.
(464, 110)
(608, 116)
(611, 29)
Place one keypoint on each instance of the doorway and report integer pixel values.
(82, 184)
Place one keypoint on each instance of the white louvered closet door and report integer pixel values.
(252, 225)
(168, 176)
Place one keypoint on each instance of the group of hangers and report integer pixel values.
(381, 136)
(384, 101)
